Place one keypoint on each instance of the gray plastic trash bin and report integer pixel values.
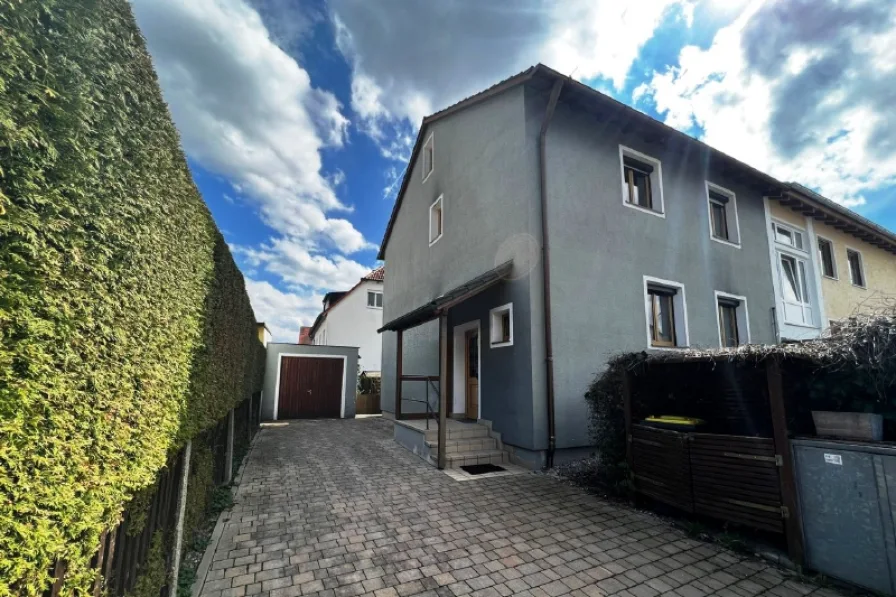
(847, 495)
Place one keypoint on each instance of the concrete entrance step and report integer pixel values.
(460, 459)
(467, 442)
(465, 445)
(457, 431)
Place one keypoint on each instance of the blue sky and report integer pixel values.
(298, 116)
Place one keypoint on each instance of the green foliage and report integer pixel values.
(185, 579)
(222, 499)
(607, 408)
(125, 327)
(199, 485)
(369, 384)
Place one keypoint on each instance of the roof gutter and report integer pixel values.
(546, 261)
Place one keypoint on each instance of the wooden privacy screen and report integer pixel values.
(731, 478)
(662, 466)
(310, 387)
(367, 404)
(736, 479)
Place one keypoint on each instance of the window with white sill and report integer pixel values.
(666, 313)
(856, 268)
(428, 157)
(436, 220)
(374, 299)
(501, 326)
(723, 223)
(734, 326)
(642, 181)
(794, 275)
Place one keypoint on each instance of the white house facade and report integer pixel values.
(353, 319)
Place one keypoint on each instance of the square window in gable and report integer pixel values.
(428, 157)
(436, 220)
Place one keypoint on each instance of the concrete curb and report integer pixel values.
(206, 562)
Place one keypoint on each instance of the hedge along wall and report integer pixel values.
(125, 327)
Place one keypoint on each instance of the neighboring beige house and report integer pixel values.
(352, 318)
(828, 263)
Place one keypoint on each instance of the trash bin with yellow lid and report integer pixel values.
(674, 422)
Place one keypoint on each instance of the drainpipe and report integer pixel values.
(546, 261)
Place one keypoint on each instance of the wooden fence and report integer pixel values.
(367, 404)
(731, 478)
(741, 470)
(122, 552)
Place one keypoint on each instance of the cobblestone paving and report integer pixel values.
(336, 508)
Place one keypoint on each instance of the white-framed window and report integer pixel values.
(501, 326)
(794, 280)
(642, 181)
(790, 236)
(826, 258)
(734, 323)
(665, 309)
(374, 299)
(436, 220)
(794, 274)
(724, 226)
(856, 267)
(428, 157)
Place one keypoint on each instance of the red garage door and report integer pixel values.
(310, 388)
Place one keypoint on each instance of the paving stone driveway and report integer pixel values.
(336, 508)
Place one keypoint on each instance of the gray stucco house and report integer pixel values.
(542, 227)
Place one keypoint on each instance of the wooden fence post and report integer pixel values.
(179, 526)
(792, 523)
(228, 453)
(443, 391)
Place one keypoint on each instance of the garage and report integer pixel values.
(310, 387)
(309, 381)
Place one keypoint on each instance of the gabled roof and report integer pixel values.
(805, 200)
(436, 306)
(377, 275)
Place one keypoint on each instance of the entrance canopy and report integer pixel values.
(441, 304)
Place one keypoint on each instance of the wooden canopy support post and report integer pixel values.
(792, 522)
(399, 355)
(443, 390)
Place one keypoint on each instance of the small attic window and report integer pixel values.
(435, 220)
(428, 156)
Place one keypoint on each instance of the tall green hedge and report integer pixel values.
(125, 327)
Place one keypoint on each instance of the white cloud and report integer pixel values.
(599, 38)
(301, 269)
(799, 89)
(246, 110)
(412, 59)
(283, 312)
